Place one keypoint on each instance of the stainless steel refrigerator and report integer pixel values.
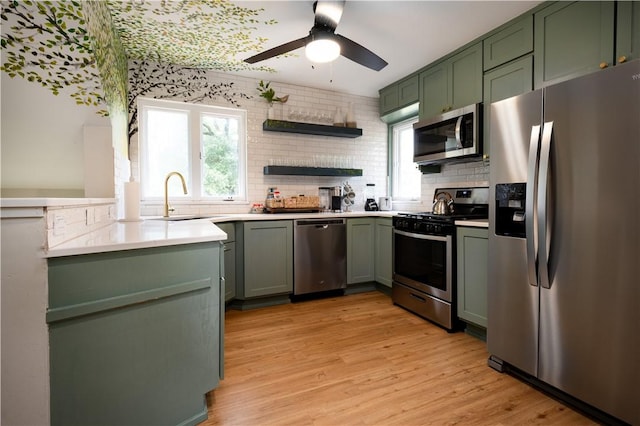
(564, 240)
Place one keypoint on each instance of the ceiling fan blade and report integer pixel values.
(278, 50)
(328, 13)
(360, 54)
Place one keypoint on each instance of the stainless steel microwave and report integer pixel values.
(451, 135)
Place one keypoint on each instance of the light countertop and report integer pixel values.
(156, 233)
(52, 202)
(292, 216)
(137, 235)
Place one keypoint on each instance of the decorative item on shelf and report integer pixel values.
(270, 95)
(351, 117)
(338, 118)
(349, 196)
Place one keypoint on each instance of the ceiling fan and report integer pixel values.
(327, 16)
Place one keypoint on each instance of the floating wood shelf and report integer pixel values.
(310, 129)
(311, 171)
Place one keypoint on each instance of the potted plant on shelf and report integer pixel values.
(270, 95)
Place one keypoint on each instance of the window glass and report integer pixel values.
(405, 175)
(220, 140)
(205, 144)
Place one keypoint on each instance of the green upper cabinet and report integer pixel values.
(572, 39)
(389, 99)
(434, 96)
(400, 99)
(503, 82)
(509, 43)
(628, 31)
(456, 82)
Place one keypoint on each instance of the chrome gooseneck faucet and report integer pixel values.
(166, 191)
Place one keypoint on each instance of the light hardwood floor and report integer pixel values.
(359, 359)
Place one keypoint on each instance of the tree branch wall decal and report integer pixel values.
(168, 81)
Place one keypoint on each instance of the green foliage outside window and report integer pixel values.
(220, 150)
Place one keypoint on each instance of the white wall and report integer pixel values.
(368, 151)
(42, 146)
(42, 139)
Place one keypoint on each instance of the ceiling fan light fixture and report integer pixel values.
(322, 50)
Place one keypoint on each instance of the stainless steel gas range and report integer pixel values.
(424, 260)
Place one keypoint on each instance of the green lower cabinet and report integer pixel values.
(383, 255)
(472, 257)
(229, 260)
(360, 250)
(136, 336)
(266, 258)
(229, 271)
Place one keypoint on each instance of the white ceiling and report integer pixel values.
(406, 34)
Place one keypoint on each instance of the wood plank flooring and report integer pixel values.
(360, 360)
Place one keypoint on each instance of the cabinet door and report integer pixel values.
(229, 271)
(268, 258)
(472, 274)
(504, 82)
(434, 91)
(572, 39)
(465, 70)
(360, 250)
(408, 91)
(399, 95)
(384, 246)
(454, 83)
(388, 99)
(509, 43)
(628, 31)
(135, 336)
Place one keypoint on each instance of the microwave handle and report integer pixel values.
(459, 132)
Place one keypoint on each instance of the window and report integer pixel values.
(206, 144)
(405, 175)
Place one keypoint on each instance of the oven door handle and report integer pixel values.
(421, 236)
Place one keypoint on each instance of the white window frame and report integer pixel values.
(195, 179)
(394, 130)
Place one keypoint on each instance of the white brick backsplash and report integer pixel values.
(66, 223)
(368, 152)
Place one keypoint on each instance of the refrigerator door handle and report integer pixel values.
(530, 205)
(543, 219)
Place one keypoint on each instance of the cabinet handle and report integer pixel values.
(603, 65)
(622, 59)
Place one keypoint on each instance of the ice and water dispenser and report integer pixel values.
(510, 209)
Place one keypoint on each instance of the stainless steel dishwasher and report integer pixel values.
(319, 255)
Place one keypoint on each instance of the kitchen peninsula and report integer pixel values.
(124, 323)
